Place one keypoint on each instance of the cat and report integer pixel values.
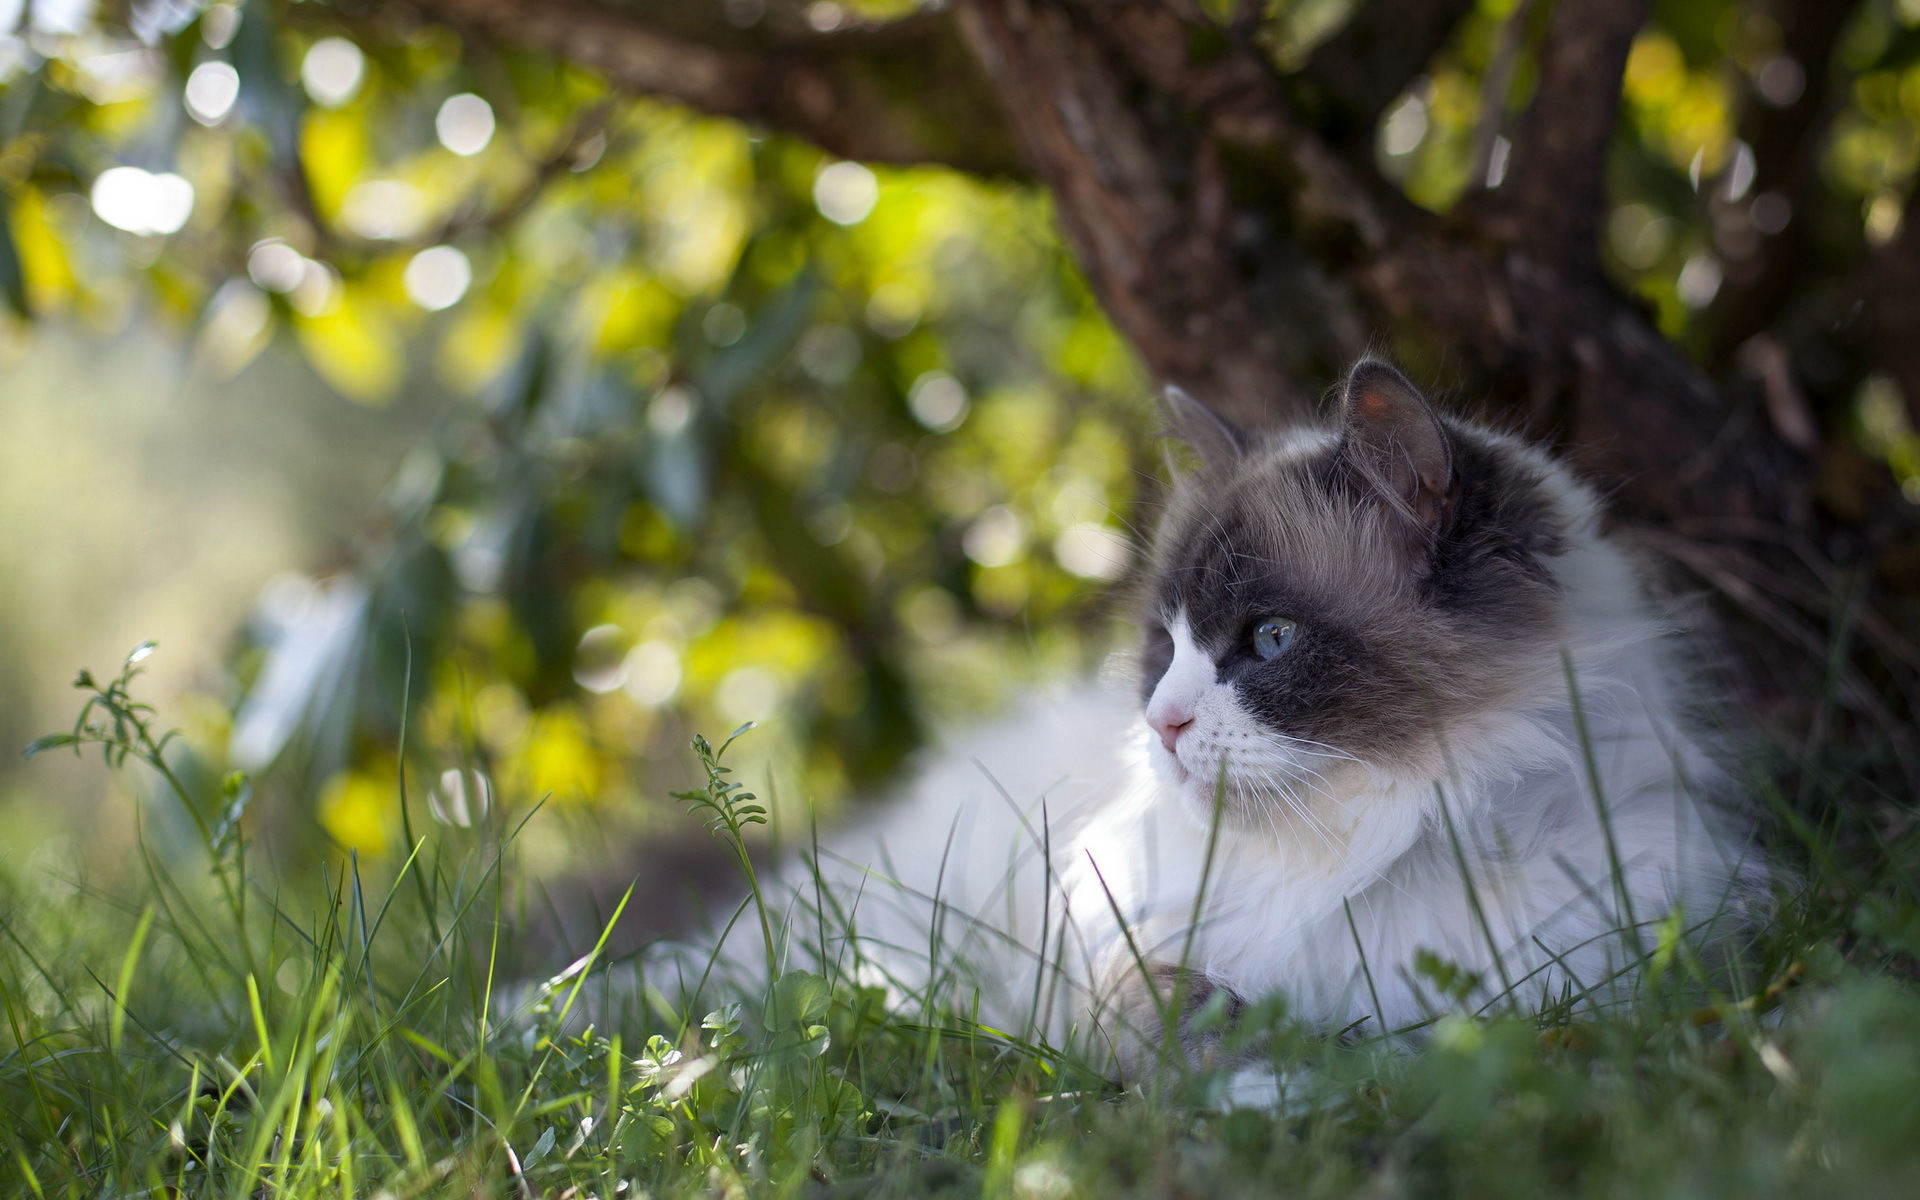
(1397, 693)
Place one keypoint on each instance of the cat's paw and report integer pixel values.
(1139, 1004)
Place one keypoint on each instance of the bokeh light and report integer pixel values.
(332, 70)
(464, 124)
(438, 277)
(141, 201)
(846, 192)
(211, 92)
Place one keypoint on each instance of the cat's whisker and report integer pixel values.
(1310, 816)
(1323, 788)
(1325, 748)
(1289, 805)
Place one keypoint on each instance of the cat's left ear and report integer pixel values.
(1218, 440)
(1392, 438)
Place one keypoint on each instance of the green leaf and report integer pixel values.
(800, 999)
(818, 1039)
(1902, 51)
(13, 279)
(723, 1023)
(272, 103)
(541, 1149)
(51, 741)
(733, 737)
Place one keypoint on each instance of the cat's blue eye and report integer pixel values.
(1272, 636)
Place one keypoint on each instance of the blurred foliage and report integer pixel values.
(751, 433)
(1685, 212)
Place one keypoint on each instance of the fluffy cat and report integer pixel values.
(1398, 693)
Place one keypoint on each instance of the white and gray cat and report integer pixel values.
(1398, 693)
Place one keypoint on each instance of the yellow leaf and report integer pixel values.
(478, 346)
(333, 147)
(354, 347)
(790, 643)
(635, 311)
(353, 811)
(559, 759)
(696, 190)
(43, 258)
(1656, 70)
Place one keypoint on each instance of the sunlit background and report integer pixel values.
(371, 379)
(377, 376)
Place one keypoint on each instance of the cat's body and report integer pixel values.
(1358, 742)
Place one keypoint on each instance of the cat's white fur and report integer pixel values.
(1331, 875)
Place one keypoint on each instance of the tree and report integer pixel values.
(1674, 239)
(1215, 177)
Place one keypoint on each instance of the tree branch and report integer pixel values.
(1551, 203)
(903, 92)
(1211, 298)
(1787, 144)
(1153, 213)
(1355, 74)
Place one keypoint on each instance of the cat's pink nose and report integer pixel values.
(1169, 723)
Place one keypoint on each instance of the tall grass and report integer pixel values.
(194, 1030)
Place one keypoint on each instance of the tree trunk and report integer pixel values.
(1243, 257)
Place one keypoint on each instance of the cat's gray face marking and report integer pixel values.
(1320, 603)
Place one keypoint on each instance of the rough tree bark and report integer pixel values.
(1230, 220)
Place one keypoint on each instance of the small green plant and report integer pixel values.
(732, 810)
(781, 1078)
(123, 729)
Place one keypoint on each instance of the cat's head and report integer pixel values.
(1324, 606)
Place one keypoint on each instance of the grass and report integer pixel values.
(196, 1032)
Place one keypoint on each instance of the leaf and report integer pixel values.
(818, 1039)
(800, 999)
(13, 278)
(541, 1149)
(781, 322)
(524, 385)
(51, 741)
(334, 150)
(355, 347)
(1902, 50)
(724, 1023)
(731, 738)
(269, 99)
(237, 787)
(677, 475)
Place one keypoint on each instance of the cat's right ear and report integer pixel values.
(1392, 439)
(1218, 440)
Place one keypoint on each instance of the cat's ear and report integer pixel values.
(1218, 440)
(1391, 437)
